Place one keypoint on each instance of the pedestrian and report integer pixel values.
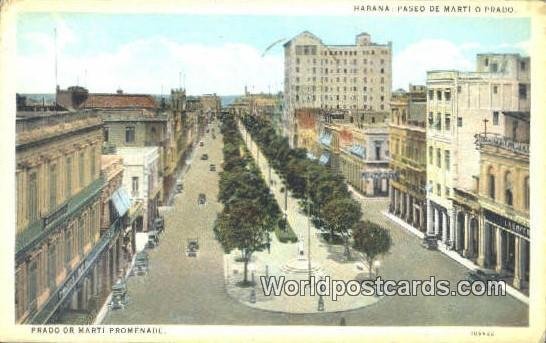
(268, 247)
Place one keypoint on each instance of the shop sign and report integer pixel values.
(507, 224)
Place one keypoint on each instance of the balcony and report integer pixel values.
(502, 142)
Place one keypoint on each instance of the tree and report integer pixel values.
(242, 226)
(340, 215)
(372, 240)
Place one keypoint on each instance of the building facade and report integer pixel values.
(335, 77)
(407, 137)
(58, 213)
(459, 106)
(141, 179)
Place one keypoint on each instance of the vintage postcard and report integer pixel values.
(291, 170)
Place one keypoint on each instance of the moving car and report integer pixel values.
(141, 263)
(205, 157)
(430, 242)
(192, 248)
(212, 167)
(201, 199)
(201, 143)
(179, 186)
(153, 239)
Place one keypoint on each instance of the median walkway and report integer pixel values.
(284, 259)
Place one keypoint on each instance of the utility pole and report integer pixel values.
(485, 126)
(308, 229)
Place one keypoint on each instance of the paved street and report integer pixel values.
(183, 290)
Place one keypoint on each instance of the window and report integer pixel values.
(439, 95)
(430, 119)
(52, 186)
(51, 265)
(438, 158)
(495, 118)
(446, 190)
(81, 166)
(494, 67)
(508, 195)
(32, 197)
(526, 193)
(447, 95)
(135, 186)
(106, 134)
(486, 62)
(447, 122)
(495, 89)
(68, 176)
(522, 66)
(491, 183)
(430, 94)
(459, 89)
(447, 159)
(438, 189)
(430, 155)
(460, 121)
(523, 91)
(438, 121)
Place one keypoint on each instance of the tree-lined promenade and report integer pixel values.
(250, 212)
(323, 194)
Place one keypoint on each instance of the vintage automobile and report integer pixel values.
(192, 247)
(205, 157)
(430, 242)
(159, 224)
(119, 295)
(141, 263)
(201, 199)
(482, 275)
(153, 239)
(212, 167)
(179, 186)
(201, 143)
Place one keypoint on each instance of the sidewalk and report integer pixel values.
(327, 259)
(455, 256)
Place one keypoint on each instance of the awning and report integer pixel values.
(121, 200)
(310, 156)
(358, 150)
(324, 158)
(325, 138)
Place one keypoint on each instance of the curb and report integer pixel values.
(455, 256)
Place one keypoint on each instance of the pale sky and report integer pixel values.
(144, 53)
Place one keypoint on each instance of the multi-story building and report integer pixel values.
(211, 103)
(459, 105)
(492, 224)
(141, 178)
(335, 77)
(358, 153)
(58, 239)
(407, 137)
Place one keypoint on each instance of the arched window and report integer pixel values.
(491, 183)
(508, 195)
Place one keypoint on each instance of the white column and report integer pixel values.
(444, 226)
(396, 202)
(436, 221)
(466, 235)
(483, 238)
(519, 278)
(452, 227)
(430, 225)
(408, 208)
(499, 268)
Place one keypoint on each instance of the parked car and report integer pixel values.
(205, 157)
(159, 224)
(201, 143)
(212, 167)
(482, 275)
(153, 239)
(201, 199)
(430, 242)
(179, 187)
(141, 263)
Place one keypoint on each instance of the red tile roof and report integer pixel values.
(120, 101)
